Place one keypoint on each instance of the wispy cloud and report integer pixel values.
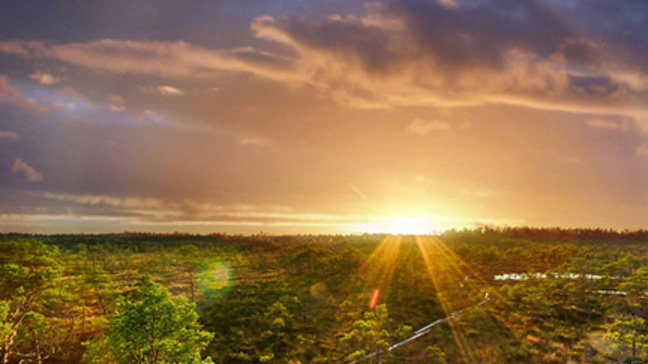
(44, 78)
(9, 135)
(116, 103)
(169, 59)
(27, 171)
(167, 90)
(10, 95)
(153, 210)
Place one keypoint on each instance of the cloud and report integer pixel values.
(127, 202)
(44, 78)
(607, 124)
(116, 108)
(444, 53)
(8, 135)
(167, 59)
(116, 103)
(11, 96)
(421, 126)
(440, 53)
(169, 91)
(158, 211)
(116, 99)
(23, 48)
(27, 171)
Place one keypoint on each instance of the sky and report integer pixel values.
(331, 116)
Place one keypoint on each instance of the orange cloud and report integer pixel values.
(167, 90)
(168, 59)
(27, 171)
(415, 53)
(44, 78)
(10, 135)
(400, 54)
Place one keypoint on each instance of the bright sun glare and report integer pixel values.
(402, 225)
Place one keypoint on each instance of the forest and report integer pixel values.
(485, 295)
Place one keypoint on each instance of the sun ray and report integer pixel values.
(449, 276)
(377, 271)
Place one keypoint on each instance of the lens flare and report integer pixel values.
(374, 298)
(215, 278)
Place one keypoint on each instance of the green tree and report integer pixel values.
(29, 272)
(92, 279)
(93, 288)
(370, 334)
(189, 258)
(630, 335)
(151, 327)
(435, 355)
(636, 286)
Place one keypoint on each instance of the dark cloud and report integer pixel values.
(480, 33)
(594, 86)
(527, 53)
(583, 53)
(473, 34)
(618, 26)
(348, 38)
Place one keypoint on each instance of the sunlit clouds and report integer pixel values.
(26, 171)
(8, 135)
(44, 78)
(167, 59)
(409, 116)
(9, 95)
(167, 90)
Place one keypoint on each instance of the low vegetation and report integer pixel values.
(561, 296)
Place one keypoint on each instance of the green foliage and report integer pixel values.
(97, 351)
(152, 327)
(369, 334)
(29, 276)
(302, 299)
(630, 334)
(637, 283)
(434, 355)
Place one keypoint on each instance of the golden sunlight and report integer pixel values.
(403, 225)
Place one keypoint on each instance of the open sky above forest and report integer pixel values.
(293, 116)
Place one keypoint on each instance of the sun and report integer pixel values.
(402, 225)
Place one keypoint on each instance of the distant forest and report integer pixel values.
(485, 295)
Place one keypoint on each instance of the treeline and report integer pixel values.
(555, 234)
(551, 234)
